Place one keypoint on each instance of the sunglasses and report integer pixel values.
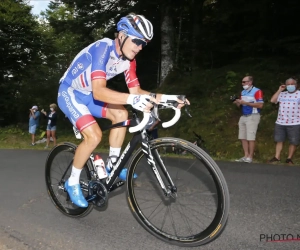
(245, 81)
(138, 41)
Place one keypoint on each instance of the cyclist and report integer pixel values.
(83, 94)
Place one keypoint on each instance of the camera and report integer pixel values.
(233, 98)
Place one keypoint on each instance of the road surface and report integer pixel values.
(264, 213)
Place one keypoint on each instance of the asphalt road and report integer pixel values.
(264, 213)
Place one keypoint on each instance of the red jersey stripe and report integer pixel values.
(84, 122)
(98, 74)
(133, 84)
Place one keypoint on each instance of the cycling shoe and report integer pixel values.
(76, 195)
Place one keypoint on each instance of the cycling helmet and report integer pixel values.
(136, 25)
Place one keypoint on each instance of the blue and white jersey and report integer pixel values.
(253, 95)
(99, 60)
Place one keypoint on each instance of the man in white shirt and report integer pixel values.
(288, 119)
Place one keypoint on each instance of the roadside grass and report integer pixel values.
(214, 117)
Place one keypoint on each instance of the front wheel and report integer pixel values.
(58, 169)
(196, 209)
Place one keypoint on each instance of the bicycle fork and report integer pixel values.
(170, 189)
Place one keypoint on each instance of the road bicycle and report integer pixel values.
(180, 199)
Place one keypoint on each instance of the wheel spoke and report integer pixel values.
(189, 216)
(57, 170)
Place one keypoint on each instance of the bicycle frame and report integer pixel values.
(138, 138)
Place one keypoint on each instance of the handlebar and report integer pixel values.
(141, 125)
(173, 120)
(154, 112)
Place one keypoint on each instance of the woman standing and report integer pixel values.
(51, 124)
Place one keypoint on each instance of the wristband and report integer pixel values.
(130, 99)
(166, 98)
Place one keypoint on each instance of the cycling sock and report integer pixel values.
(114, 152)
(74, 177)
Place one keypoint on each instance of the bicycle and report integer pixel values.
(182, 200)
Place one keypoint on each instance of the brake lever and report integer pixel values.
(182, 98)
(187, 110)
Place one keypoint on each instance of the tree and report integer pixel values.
(20, 46)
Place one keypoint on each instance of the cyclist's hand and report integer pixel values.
(183, 103)
(141, 102)
(166, 98)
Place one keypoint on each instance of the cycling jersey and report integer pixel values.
(253, 95)
(99, 61)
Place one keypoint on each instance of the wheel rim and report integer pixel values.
(55, 169)
(195, 214)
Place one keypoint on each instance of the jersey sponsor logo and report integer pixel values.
(74, 71)
(69, 105)
(113, 68)
(136, 99)
(111, 75)
(103, 55)
(80, 66)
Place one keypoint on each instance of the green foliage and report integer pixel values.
(20, 46)
(231, 79)
(216, 43)
(215, 118)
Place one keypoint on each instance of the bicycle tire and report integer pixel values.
(218, 221)
(54, 185)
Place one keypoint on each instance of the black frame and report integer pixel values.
(138, 137)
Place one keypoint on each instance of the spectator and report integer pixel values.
(288, 119)
(34, 117)
(252, 102)
(51, 123)
(151, 127)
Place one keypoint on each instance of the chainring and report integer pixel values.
(97, 188)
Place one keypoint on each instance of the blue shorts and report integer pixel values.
(32, 129)
(78, 107)
(53, 128)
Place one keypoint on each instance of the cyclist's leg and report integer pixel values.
(116, 113)
(74, 106)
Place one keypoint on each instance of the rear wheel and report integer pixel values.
(58, 169)
(193, 215)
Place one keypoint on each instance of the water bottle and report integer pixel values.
(100, 167)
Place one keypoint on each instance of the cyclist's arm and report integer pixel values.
(133, 82)
(99, 54)
(134, 85)
(104, 94)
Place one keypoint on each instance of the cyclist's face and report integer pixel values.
(133, 46)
